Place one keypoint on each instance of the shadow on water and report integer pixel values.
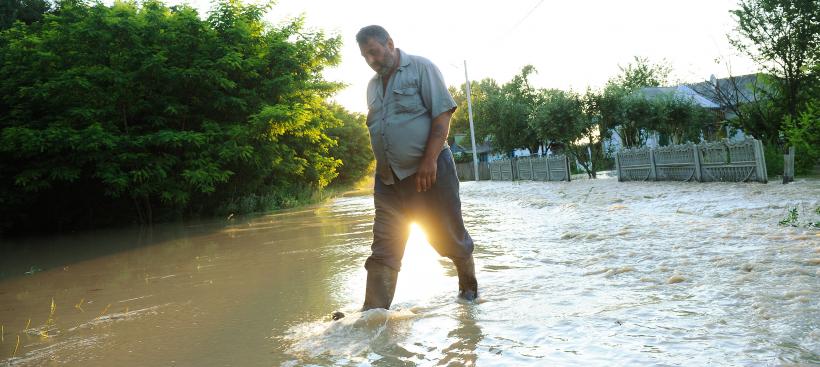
(31, 254)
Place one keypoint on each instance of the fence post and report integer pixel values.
(532, 173)
(788, 166)
(760, 162)
(652, 169)
(763, 162)
(549, 176)
(566, 166)
(698, 172)
(618, 166)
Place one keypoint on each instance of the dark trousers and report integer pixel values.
(437, 211)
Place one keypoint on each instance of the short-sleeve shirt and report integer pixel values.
(399, 116)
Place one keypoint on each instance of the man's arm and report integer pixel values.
(439, 129)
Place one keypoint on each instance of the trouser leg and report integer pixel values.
(390, 232)
(438, 211)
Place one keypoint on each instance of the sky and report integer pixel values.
(573, 44)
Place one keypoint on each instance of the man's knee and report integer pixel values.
(389, 261)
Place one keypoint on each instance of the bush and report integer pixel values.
(804, 134)
(352, 145)
(774, 159)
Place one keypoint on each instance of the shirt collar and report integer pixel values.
(404, 59)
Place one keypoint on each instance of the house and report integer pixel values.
(722, 96)
(459, 145)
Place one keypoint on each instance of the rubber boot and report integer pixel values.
(467, 283)
(381, 285)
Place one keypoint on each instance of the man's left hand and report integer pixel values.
(426, 175)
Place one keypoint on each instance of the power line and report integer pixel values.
(514, 27)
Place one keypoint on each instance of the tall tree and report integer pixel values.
(642, 73)
(506, 111)
(561, 119)
(781, 36)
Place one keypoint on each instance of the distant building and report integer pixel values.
(460, 145)
(722, 96)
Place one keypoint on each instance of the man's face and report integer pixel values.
(380, 58)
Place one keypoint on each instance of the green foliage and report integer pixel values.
(144, 112)
(761, 117)
(353, 145)
(503, 113)
(774, 158)
(634, 117)
(26, 11)
(791, 219)
(781, 36)
(517, 115)
(680, 119)
(803, 133)
(641, 73)
(563, 119)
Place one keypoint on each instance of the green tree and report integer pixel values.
(352, 145)
(781, 36)
(144, 112)
(460, 122)
(642, 73)
(621, 109)
(679, 119)
(565, 119)
(503, 115)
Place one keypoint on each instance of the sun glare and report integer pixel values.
(421, 272)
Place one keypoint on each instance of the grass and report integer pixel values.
(792, 219)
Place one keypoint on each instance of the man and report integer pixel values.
(409, 110)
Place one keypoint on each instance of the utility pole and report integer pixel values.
(470, 113)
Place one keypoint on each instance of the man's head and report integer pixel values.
(377, 48)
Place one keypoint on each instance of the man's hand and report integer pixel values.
(426, 175)
(439, 128)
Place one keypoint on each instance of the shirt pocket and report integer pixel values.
(407, 100)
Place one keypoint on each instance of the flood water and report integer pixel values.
(586, 273)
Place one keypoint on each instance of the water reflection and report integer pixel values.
(466, 336)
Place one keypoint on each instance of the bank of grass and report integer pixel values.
(294, 197)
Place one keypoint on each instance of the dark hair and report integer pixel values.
(375, 32)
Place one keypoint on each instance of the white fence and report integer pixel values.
(466, 171)
(706, 162)
(554, 168)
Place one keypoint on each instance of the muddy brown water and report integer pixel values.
(592, 272)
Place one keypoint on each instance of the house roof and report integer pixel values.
(481, 148)
(460, 142)
(682, 92)
(733, 90)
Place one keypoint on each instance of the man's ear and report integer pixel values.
(390, 44)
